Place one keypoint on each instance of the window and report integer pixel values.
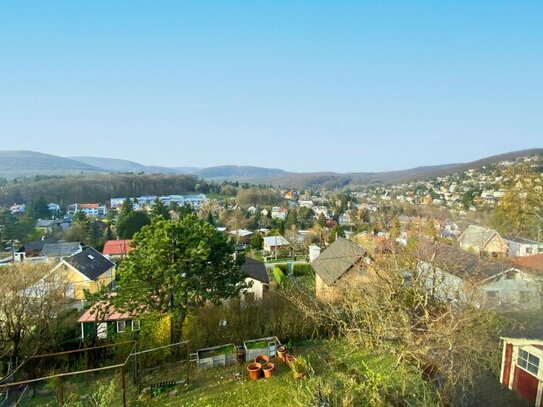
(135, 325)
(528, 361)
(121, 326)
(528, 250)
(492, 295)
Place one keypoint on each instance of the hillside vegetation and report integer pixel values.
(94, 188)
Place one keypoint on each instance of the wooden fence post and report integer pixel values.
(60, 391)
(124, 386)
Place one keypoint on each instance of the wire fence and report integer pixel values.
(118, 371)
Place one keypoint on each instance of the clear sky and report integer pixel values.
(299, 85)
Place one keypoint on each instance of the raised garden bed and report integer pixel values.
(221, 355)
(261, 346)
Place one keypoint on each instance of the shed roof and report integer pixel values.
(255, 269)
(339, 257)
(111, 315)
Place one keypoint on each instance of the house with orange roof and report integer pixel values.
(117, 248)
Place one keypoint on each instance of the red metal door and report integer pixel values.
(525, 385)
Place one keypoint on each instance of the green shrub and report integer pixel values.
(302, 269)
(279, 275)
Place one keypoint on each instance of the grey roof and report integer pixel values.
(338, 258)
(520, 240)
(90, 263)
(460, 263)
(35, 246)
(255, 269)
(47, 223)
(477, 236)
(65, 249)
(273, 241)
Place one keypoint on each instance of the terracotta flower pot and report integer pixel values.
(282, 352)
(262, 359)
(289, 358)
(254, 370)
(268, 369)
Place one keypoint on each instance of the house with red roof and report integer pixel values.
(117, 248)
(104, 321)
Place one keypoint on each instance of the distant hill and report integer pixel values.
(118, 165)
(27, 163)
(238, 172)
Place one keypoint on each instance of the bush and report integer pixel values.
(302, 269)
(279, 276)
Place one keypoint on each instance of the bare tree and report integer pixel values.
(31, 297)
(394, 306)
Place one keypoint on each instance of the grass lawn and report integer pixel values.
(336, 370)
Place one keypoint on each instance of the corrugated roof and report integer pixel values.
(255, 269)
(90, 263)
(337, 259)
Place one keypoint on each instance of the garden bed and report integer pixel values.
(221, 355)
(261, 346)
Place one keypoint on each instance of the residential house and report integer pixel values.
(522, 368)
(103, 320)
(279, 213)
(519, 246)
(31, 249)
(483, 241)
(92, 209)
(341, 261)
(458, 276)
(241, 235)
(273, 244)
(17, 209)
(258, 279)
(116, 248)
(86, 270)
(51, 225)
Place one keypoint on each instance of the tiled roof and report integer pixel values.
(476, 236)
(534, 262)
(117, 247)
(337, 259)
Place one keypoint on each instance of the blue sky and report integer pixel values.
(299, 85)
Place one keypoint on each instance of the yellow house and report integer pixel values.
(87, 270)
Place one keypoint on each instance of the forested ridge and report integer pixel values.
(66, 190)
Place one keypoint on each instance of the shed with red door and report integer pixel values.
(522, 368)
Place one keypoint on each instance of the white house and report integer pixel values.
(275, 243)
(518, 246)
(457, 276)
(279, 213)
